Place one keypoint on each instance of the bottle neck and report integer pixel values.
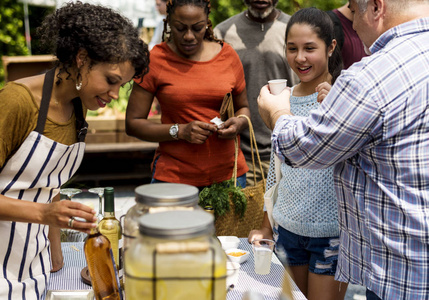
(109, 201)
(109, 214)
(93, 231)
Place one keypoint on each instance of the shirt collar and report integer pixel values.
(411, 27)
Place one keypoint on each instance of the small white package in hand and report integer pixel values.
(217, 121)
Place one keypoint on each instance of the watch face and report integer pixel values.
(173, 131)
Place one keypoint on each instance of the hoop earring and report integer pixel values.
(78, 85)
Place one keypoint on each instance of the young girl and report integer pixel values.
(306, 209)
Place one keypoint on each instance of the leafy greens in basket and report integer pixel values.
(218, 195)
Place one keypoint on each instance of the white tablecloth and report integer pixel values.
(269, 286)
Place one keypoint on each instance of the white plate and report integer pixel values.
(70, 295)
(229, 242)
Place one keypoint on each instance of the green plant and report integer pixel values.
(218, 195)
(12, 40)
(120, 105)
(12, 33)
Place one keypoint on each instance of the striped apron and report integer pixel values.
(34, 173)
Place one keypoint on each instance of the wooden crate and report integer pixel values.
(17, 67)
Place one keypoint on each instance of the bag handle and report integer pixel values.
(277, 170)
(253, 144)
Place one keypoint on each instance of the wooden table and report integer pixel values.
(269, 286)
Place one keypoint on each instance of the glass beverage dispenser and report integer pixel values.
(175, 257)
(152, 198)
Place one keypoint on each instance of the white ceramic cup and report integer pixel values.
(263, 251)
(277, 85)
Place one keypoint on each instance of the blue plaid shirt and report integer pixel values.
(374, 127)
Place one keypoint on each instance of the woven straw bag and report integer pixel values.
(230, 223)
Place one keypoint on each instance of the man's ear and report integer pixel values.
(378, 9)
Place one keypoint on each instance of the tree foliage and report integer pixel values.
(12, 39)
(12, 31)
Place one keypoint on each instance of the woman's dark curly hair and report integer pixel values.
(106, 35)
(205, 4)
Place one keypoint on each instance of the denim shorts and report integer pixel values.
(320, 254)
(370, 295)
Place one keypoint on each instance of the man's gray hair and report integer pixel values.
(362, 5)
(395, 5)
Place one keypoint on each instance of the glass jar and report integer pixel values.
(157, 197)
(175, 257)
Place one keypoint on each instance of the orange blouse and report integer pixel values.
(187, 91)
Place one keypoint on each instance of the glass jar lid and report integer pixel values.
(167, 194)
(177, 224)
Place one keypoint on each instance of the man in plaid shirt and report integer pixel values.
(374, 127)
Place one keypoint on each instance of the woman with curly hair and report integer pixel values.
(42, 132)
(190, 73)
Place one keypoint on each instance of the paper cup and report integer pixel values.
(277, 85)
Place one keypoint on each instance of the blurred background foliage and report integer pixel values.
(223, 9)
(12, 32)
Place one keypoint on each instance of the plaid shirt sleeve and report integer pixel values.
(346, 121)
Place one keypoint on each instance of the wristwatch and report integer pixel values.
(174, 131)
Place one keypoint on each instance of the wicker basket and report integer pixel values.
(230, 223)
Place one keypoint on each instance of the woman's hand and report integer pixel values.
(257, 234)
(59, 213)
(56, 214)
(265, 232)
(232, 127)
(196, 132)
(322, 89)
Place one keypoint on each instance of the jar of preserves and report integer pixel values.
(157, 197)
(175, 257)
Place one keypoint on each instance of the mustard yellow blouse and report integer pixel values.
(18, 117)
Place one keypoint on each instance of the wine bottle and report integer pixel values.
(110, 227)
(101, 266)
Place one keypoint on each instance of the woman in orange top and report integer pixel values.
(189, 74)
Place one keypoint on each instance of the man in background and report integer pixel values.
(258, 36)
(161, 6)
